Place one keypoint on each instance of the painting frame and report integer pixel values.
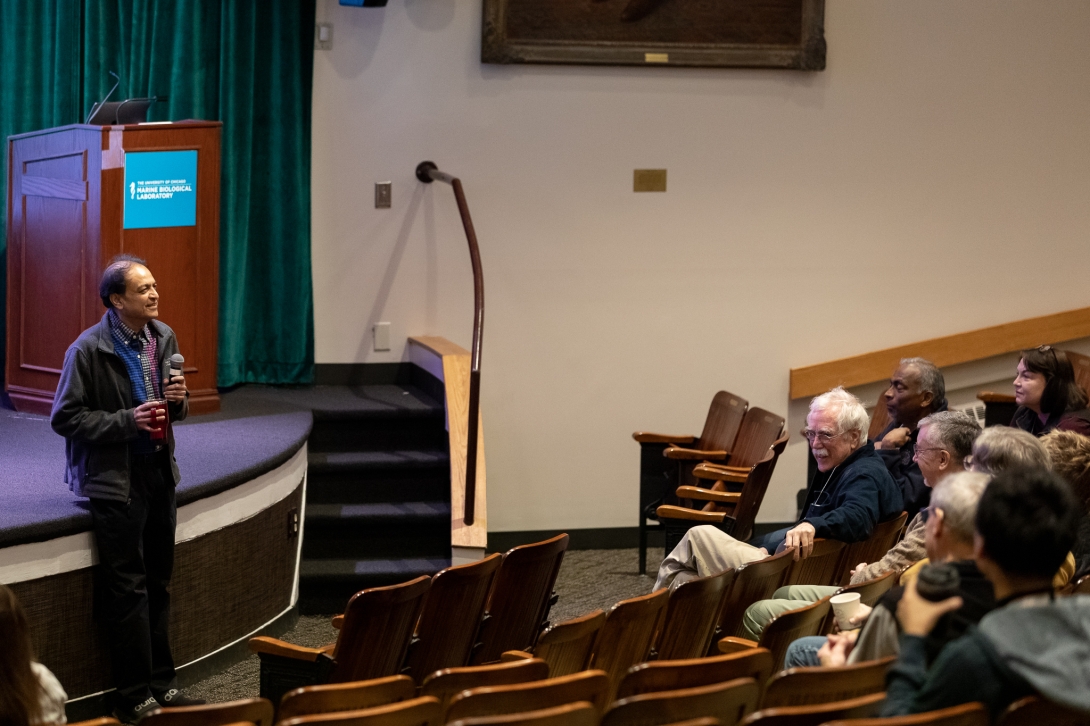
(808, 55)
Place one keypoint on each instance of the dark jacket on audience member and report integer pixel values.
(905, 471)
(93, 412)
(1027, 420)
(978, 599)
(1035, 644)
(847, 502)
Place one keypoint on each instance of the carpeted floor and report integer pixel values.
(589, 580)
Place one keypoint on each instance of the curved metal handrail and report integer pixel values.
(427, 172)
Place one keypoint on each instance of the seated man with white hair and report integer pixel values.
(852, 492)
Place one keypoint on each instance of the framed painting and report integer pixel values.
(719, 33)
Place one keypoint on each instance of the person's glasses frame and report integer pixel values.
(822, 437)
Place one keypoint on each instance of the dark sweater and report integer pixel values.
(906, 472)
(1028, 420)
(847, 502)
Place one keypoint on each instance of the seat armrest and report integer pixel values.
(707, 495)
(677, 452)
(338, 621)
(646, 437)
(715, 473)
(990, 397)
(514, 655)
(735, 645)
(669, 511)
(272, 646)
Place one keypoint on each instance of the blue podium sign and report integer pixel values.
(160, 189)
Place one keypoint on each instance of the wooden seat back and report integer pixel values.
(819, 713)
(378, 624)
(722, 423)
(581, 713)
(590, 686)
(424, 711)
(967, 714)
(332, 697)
(870, 592)
(1035, 711)
(871, 549)
(821, 567)
(519, 601)
(753, 491)
(452, 614)
(628, 634)
(754, 581)
(1080, 364)
(444, 684)
(759, 430)
(100, 721)
(258, 711)
(671, 675)
(729, 702)
(569, 646)
(806, 686)
(692, 613)
(879, 417)
(788, 627)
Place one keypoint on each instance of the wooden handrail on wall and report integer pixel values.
(450, 363)
(946, 351)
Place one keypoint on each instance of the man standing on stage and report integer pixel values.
(109, 410)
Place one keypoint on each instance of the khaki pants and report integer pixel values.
(704, 551)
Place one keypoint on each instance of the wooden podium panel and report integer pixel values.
(65, 222)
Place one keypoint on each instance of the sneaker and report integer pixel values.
(137, 712)
(174, 697)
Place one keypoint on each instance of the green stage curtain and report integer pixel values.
(248, 64)
(39, 88)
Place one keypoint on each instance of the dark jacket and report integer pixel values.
(1028, 420)
(978, 599)
(93, 411)
(906, 472)
(1032, 645)
(847, 502)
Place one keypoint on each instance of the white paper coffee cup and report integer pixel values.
(845, 606)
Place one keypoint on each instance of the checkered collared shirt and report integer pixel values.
(139, 351)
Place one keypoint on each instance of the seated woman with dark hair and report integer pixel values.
(29, 693)
(1046, 393)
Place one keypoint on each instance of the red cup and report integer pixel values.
(159, 432)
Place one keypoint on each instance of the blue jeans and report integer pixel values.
(772, 540)
(804, 652)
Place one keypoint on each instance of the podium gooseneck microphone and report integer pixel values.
(427, 172)
(98, 105)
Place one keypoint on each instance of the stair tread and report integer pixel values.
(379, 510)
(333, 460)
(373, 401)
(347, 568)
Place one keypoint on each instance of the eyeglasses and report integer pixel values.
(916, 450)
(822, 437)
(925, 513)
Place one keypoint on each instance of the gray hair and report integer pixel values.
(957, 496)
(931, 380)
(1002, 447)
(955, 431)
(849, 413)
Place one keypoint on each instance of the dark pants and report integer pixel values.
(135, 541)
(772, 540)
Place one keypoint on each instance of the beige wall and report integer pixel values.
(942, 154)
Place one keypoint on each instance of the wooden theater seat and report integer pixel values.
(446, 683)
(1036, 711)
(520, 599)
(568, 646)
(782, 631)
(100, 721)
(627, 636)
(821, 567)
(818, 713)
(258, 711)
(754, 581)
(672, 675)
(807, 686)
(872, 549)
(728, 702)
(870, 592)
(423, 711)
(453, 609)
(581, 713)
(333, 697)
(372, 642)
(590, 686)
(967, 714)
(692, 613)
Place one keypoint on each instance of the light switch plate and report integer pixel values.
(323, 36)
(383, 191)
(382, 336)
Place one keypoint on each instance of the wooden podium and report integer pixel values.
(66, 219)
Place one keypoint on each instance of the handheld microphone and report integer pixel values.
(99, 104)
(176, 362)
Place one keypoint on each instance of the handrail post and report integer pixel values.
(428, 172)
